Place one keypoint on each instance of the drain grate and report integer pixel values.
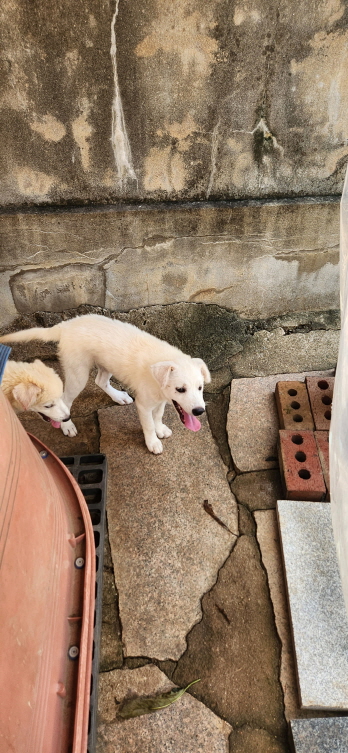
(90, 472)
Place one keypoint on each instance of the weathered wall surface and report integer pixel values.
(180, 100)
(259, 260)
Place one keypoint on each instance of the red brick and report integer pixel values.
(322, 440)
(320, 390)
(306, 464)
(293, 406)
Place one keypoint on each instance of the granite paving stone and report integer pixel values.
(235, 648)
(86, 441)
(318, 615)
(252, 422)
(254, 740)
(268, 537)
(186, 726)
(267, 532)
(320, 735)
(258, 490)
(172, 523)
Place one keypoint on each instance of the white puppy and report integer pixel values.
(35, 387)
(157, 372)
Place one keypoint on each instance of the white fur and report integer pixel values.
(150, 367)
(35, 387)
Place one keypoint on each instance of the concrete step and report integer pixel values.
(320, 735)
(317, 611)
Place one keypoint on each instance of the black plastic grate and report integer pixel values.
(90, 472)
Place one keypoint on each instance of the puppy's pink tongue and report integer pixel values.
(191, 422)
(56, 424)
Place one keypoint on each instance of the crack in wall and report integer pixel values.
(214, 148)
(119, 138)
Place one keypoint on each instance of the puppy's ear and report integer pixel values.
(26, 394)
(204, 369)
(162, 371)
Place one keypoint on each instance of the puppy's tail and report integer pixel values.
(49, 334)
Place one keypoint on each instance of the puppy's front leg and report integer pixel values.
(148, 426)
(161, 429)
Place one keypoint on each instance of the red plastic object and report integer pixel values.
(300, 466)
(293, 407)
(322, 440)
(320, 392)
(47, 576)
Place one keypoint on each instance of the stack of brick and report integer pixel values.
(304, 411)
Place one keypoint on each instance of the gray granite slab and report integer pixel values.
(317, 611)
(252, 421)
(186, 726)
(172, 524)
(320, 735)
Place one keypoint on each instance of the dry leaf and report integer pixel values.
(132, 707)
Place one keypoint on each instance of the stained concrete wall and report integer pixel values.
(179, 100)
(218, 108)
(259, 260)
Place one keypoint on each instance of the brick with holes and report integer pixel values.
(293, 406)
(320, 392)
(322, 440)
(300, 467)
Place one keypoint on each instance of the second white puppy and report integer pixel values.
(35, 387)
(157, 372)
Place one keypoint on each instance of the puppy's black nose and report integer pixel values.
(197, 411)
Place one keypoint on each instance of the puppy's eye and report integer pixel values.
(200, 387)
(180, 389)
(49, 406)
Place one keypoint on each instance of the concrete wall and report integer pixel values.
(158, 100)
(185, 101)
(259, 260)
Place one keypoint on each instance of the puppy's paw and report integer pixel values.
(68, 428)
(122, 398)
(155, 446)
(163, 431)
(126, 399)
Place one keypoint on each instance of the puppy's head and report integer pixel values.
(182, 383)
(41, 391)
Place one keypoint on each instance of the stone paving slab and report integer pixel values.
(252, 421)
(235, 651)
(258, 490)
(187, 726)
(86, 441)
(166, 547)
(318, 615)
(267, 533)
(320, 735)
(253, 740)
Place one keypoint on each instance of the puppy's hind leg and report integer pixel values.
(103, 381)
(161, 429)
